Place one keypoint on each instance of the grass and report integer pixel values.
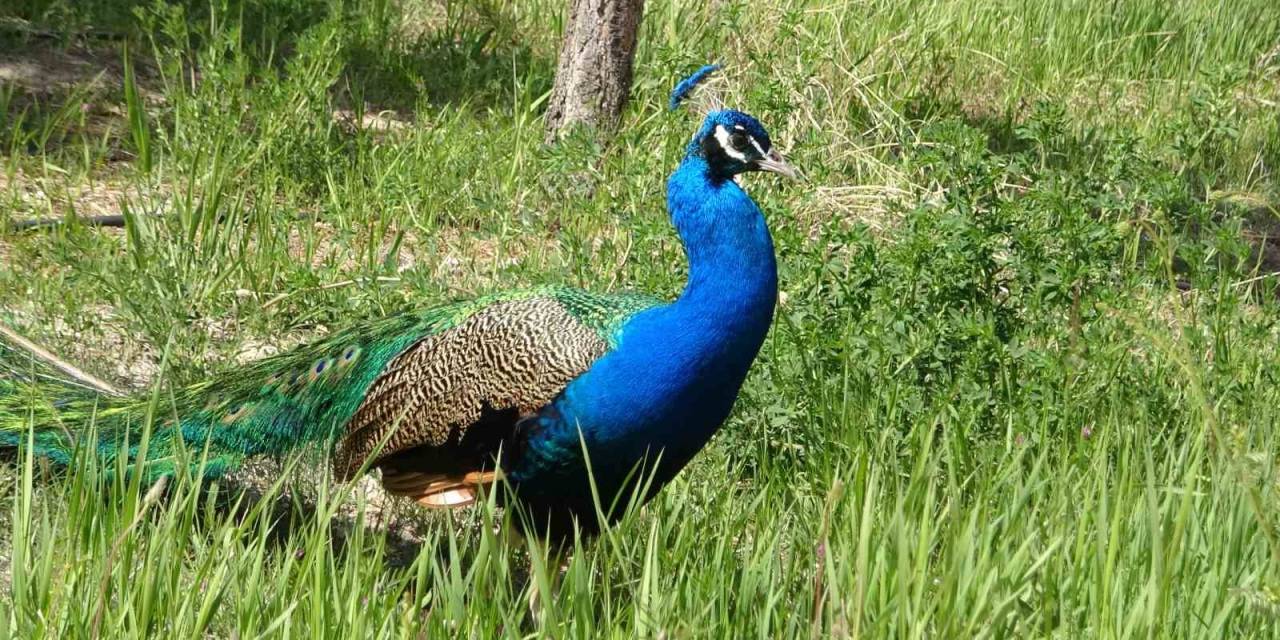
(1023, 382)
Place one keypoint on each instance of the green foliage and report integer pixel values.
(1024, 381)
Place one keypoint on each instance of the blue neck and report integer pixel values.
(676, 372)
(733, 275)
(673, 377)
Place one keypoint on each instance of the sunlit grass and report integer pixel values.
(1024, 381)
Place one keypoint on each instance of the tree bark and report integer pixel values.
(593, 76)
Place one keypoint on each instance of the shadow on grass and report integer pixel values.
(468, 66)
(63, 69)
(288, 516)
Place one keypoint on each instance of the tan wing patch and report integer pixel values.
(511, 355)
(438, 490)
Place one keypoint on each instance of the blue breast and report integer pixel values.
(672, 380)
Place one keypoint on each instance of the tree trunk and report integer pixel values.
(593, 77)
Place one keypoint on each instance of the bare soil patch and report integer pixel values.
(49, 78)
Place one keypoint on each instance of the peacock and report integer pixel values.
(569, 398)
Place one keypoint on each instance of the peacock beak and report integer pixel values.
(773, 161)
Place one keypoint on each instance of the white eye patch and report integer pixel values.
(722, 136)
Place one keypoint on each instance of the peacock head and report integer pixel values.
(733, 142)
(730, 141)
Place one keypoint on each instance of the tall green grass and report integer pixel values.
(1023, 381)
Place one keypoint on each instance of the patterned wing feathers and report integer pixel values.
(514, 355)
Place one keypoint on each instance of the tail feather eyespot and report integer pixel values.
(318, 368)
(236, 413)
(349, 356)
(214, 402)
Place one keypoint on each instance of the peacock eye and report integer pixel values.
(739, 140)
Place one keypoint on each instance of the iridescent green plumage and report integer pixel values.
(275, 406)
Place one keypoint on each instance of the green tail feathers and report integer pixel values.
(276, 406)
(210, 427)
(269, 408)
